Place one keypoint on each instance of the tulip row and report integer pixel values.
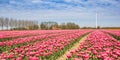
(114, 33)
(97, 46)
(49, 49)
(13, 34)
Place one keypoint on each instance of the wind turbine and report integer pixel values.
(96, 20)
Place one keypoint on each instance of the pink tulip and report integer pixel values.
(78, 59)
(33, 58)
(86, 56)
(78, 55)
(19, 58)
(72, 51)
(94, 51)
(107, 58)
(69, 55)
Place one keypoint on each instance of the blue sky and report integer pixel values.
(81, 12)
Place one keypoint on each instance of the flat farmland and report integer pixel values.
(60, 45)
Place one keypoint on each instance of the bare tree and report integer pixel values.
(11, 23)
(17, 24)
(1, 22)
(6, 23)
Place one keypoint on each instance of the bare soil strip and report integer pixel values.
(63, 57)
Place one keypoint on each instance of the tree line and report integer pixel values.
(6, 23)
(13, 24)
(54, 25)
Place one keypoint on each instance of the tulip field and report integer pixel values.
(52, 44)
(97, 46)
